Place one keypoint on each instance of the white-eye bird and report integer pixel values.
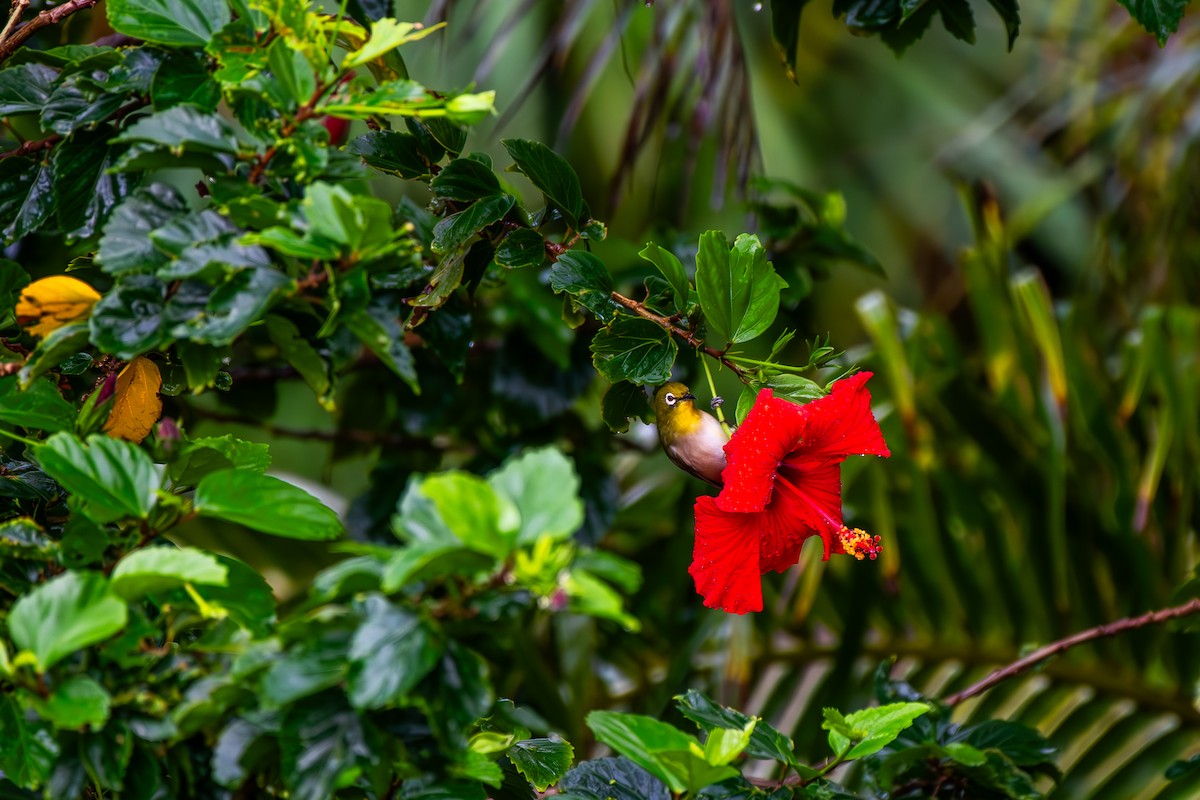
(692, 438)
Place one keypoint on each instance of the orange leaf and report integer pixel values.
(136, 404)
(50, 303)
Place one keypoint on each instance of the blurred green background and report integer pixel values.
(1036, 343)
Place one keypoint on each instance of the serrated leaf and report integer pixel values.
(1160, 18)
(28, 751)
(612, 779)
(871, 728)
(393, 152)
(39, 406)
(24, 89)
(128, 321)
(635, 350)
(157, 569)
(112, 479)
(543, 762)
(126, 245)
(765, 741)
(465, 180)
(622, 402)
(186, 23)
(300, 353)
(552, 175)
(671, 269)
(378, 328)
(64, 615)
(51, 351)
(521, 248)
(738, 287)
(265, 503)
(455, 230)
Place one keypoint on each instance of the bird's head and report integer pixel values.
(674, 409)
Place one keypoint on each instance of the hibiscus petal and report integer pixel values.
(781, 539)
(725, 559)
(772, 430)
(808, 493)
(841, 423)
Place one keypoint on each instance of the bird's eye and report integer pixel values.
(669, 398)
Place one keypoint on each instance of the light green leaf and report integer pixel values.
(186, 23)
(39, 406)
(74, 703)
(725, 744)
(543, 486)
(470, 509)
(386, 35)
(265, 503)
(872, 728)
(668, 753)
(112, 479)
(64, 615)
(542, 761)
(738, 288)
(157, 569)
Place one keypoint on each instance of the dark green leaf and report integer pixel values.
(449, 135)
(392, 650)
(24, 538)
(233, 306)
(25, 89)
(13, 278)
(113, 479)
(184, 78)
(324, 747)
(302, 355)
(76, 702)
(183, 128)
(128, 321)
(306, 670)
(237, 751)
(1183, 769)
(392, 152)
(672, 269)
(84, 192)
(624, 401)
(246, 597)
(635, 350)
(378, 328)
(465, 180)
(39, 406)
(52, 350)
(1160, 18)
(26, 196)
(1023, 745)
(265, 503)
(125, 245)
(551, 174)
(173, 22)
(765, 741)
(908, 32)
(64, 615)
(542, 761)
(157, 569)
(521, 248)
(613, 779)
(76, 104)
(586, 279)
(785, 28)
(958, 19)
(27, 750)
(106, 754)
(1010, 14)
(455, 230)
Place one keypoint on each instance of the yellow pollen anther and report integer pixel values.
(859, 543)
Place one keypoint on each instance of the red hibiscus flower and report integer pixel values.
(782, 484)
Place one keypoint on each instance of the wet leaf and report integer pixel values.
(136, 403)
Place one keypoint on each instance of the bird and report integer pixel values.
(691, 438)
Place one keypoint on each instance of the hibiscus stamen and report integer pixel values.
(859, 543)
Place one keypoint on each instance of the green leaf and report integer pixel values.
(671, 269)
(392, 650)
(472, 511)
(208, 454)
(64, 615)
(393, 152)
(455, 230)
(552, 175)
(128, 320)
(27, 750)
(725, 744)
(404, 98)
(1023, 745)
(1010, 15)
(738, 289)
(543, 486)
(76, 702)
(612, 779)
(872, 728)
(543, 762)
(521, 248)
(635, 350)
(39, 406)
(378, 328)
(184, 78)
(184, 23)
(217, 316)
(125, 245)
(324, 746)
(52, 350)
(183, 128)
(622, 402)
(965, 754)
(157, 569)
(765, 741)
(84, 191)
(75, 104)
(585, 277)
(958, 19)
(1160, 18)
(24, 538)
(666, 752)
(291, 68)
(386, 35)
(424, 561)
(25, 89)
(303, 671)
(26, 196)
(791, 387)
(246, 597)
(465, 180)
(265, 503)
(303, 356)
(112, 479)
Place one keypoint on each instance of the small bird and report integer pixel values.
(692, 438)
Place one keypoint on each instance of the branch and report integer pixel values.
(1042, 653)
(45, 144)
(683, 333)
(51, 16)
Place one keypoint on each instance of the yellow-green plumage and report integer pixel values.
(691, 438)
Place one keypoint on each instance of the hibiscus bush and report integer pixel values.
(325, 472)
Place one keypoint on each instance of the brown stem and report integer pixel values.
(1042, 653)
(683, 333)
(51, 16)
(307, 111)
(18, 10)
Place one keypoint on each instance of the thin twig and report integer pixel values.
(51, 16)
(18, 10)
(683, 333)
(1099, 632)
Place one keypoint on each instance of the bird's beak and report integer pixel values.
(687, 396)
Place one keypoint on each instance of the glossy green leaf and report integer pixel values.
(111, 478)
(218, 316)
(246, 597)
(543, 762)
(958, 19)
(172, 22)
(128, 321)
(666, 752)
(85, 193)
(26, 197)
(378, 328)
(1160, 18)
(392, 650)
(455, 230)
(465, 180)
(612, 779)
(764, 742)
(552, 175)
(77, 702)
(872, 729)
(738, 288)
(125, 245)
(157, 569)
(183, 128)
(622, 402)
(543, 486)
(300, 353)
(291, 68)
(635, 350)
(184, 78)
(723, 745)
(39, 406)
(27, 749)
(24, 89)
(265, 503)
(324, 744)
(64, 615)
(1010, 15)
(306, 670)
(521, 248)
(76, 104)
(393, 152)
(671, 269)
(585, 277)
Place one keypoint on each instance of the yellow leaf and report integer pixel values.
(136, 404)
(50, 303)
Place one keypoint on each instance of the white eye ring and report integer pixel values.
(669, 398)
